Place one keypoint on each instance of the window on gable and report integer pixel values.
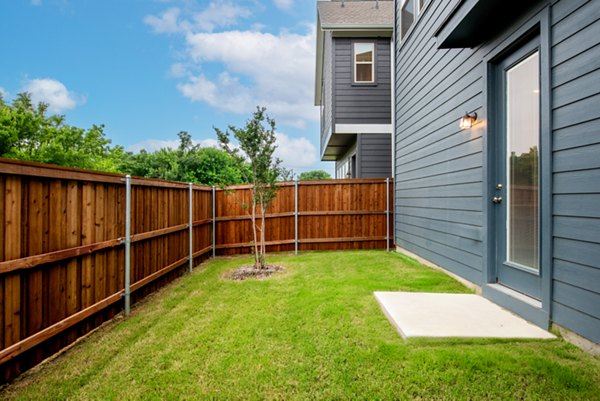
(364, 62)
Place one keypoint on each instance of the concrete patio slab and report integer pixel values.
(417, 314)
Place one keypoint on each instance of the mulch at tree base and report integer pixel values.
(246, 272)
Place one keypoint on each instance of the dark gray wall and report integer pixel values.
(361, 104)
(440, 169)
(576, 165)
(374, 155)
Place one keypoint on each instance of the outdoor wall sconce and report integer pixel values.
(468, 120)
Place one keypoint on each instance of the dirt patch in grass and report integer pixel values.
(246, 272)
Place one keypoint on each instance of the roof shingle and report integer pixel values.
(356, 13)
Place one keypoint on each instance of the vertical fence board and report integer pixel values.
(87, 237)
(35, 288)
(12, 250)
(73, 239)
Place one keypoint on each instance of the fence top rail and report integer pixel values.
(19, 167)
(315, 182)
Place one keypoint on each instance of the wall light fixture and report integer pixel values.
(468, 120)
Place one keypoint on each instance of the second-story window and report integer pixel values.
(408, 13)
(407, 16)
(364, 62)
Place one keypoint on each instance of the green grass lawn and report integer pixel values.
(312, 332)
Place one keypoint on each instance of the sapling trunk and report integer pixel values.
(263, 246)
(256, 149)
(257, 264)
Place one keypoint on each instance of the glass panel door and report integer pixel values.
(522, 162)
(516, 168)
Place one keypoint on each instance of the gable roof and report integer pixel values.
(366, 14)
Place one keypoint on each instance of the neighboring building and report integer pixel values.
(352, 86)
(511, 204)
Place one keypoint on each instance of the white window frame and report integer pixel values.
(355, 62)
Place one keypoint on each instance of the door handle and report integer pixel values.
(497, 199)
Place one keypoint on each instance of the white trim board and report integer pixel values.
(363, 128)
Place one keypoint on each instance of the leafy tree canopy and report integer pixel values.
(187, 163)
(314, 175)
(27, 133)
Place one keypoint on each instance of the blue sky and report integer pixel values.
(148, 69)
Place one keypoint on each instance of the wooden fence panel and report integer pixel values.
(62, 257)
(334, 214)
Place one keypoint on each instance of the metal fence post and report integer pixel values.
(127, 245)
(295, 217)
(387, 212)
(191, 228)
(214, 222)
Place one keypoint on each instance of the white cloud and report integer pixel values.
(220, 14)
(295, 153)
(284, 4)
(167, 22)
(226, 93)
(150, 145)
(242, 69)
(278, 69)
(178, 70)
(54, 93)
(3, 93)
(36, 2)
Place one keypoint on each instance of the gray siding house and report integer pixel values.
(353, 86)
(497, 150)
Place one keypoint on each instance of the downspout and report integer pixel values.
(393, 93)
(393, 101)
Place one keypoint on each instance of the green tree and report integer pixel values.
(187, 163)
(27, 133)
(314, 175)
(256, 147)
(525, 167)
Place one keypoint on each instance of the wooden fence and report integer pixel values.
(63, 264)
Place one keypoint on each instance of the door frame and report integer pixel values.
(536, 23)
(522, 278)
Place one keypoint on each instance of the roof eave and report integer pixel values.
(357, 27)
(319, 64)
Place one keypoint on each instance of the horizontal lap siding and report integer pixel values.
(375, 155)
(438, 197)
(576, 166)
(361, 104)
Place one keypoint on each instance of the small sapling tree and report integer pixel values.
(256, 148)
